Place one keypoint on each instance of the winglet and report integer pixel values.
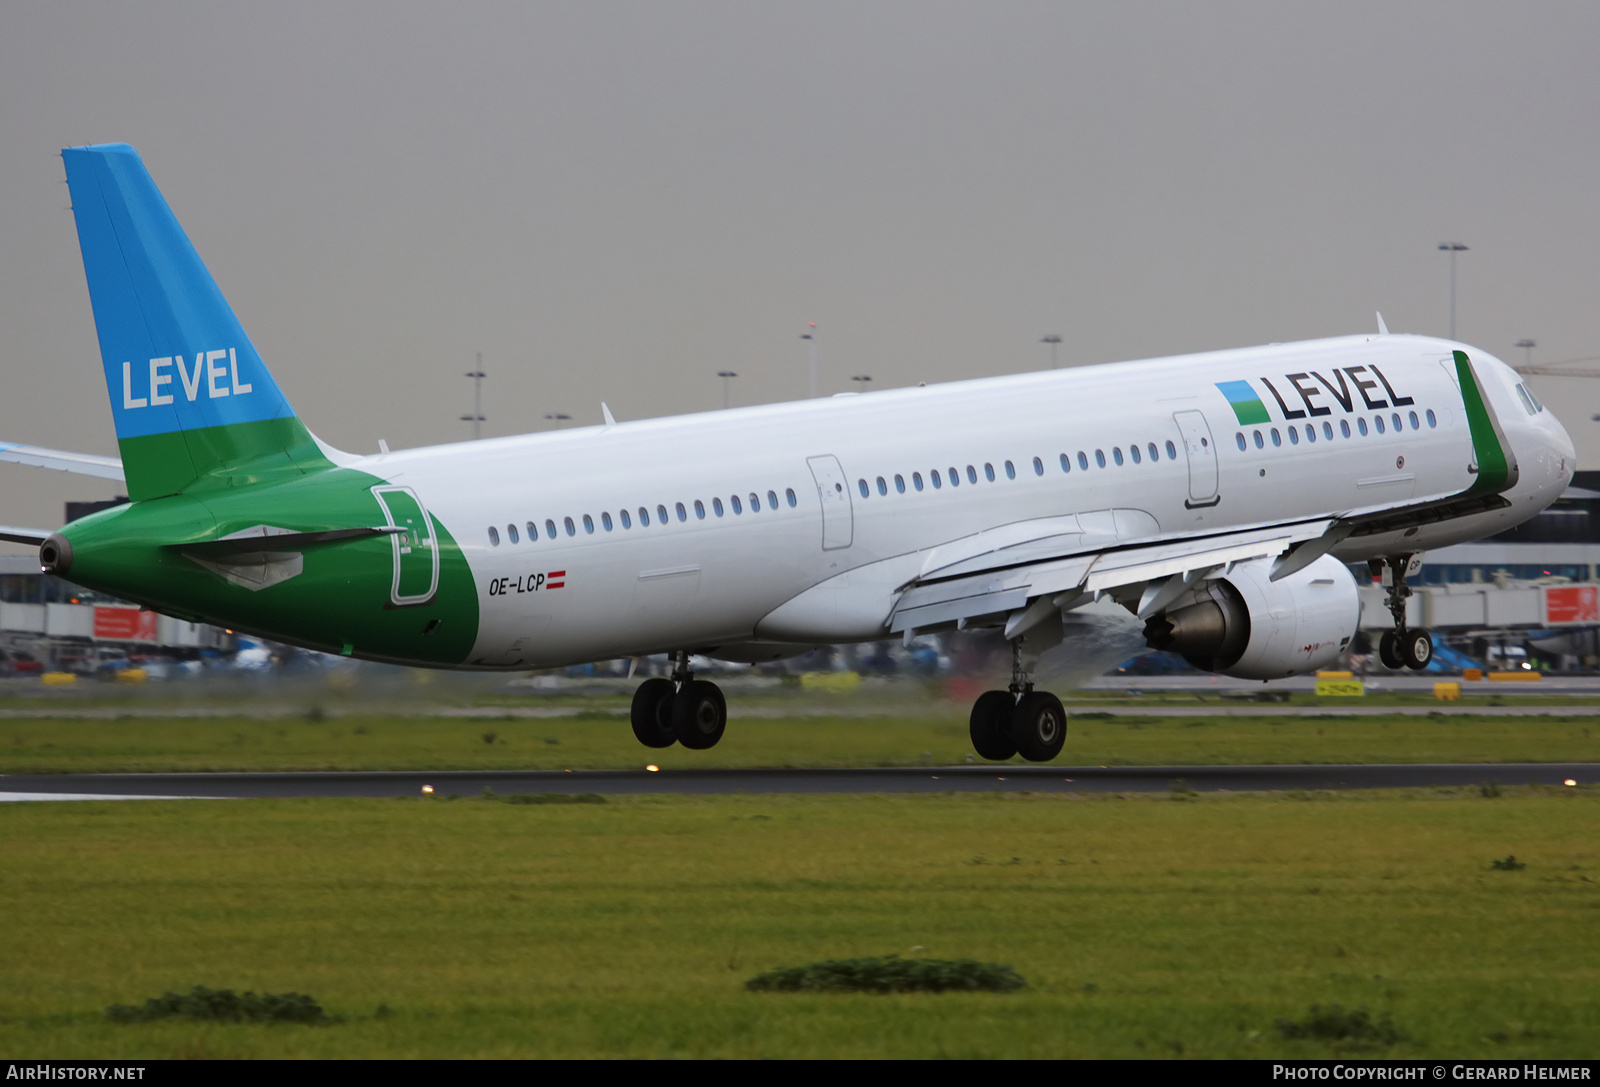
(1383, 329)
(607, 413)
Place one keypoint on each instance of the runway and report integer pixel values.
(951, 779)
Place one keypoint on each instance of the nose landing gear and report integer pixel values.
(1400, 647)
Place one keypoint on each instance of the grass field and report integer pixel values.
(598, 737)
(1144, 926)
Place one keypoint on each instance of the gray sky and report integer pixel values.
(616, 200)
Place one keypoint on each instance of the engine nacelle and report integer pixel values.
(1248, 626)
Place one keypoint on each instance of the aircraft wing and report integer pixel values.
(1003, 581)
(85, 464)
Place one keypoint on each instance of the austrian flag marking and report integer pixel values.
(555, 579)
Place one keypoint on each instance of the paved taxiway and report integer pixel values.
(967, 779)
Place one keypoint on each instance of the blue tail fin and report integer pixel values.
(194, 405)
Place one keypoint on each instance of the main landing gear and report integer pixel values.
(682, 710)
(1400, 647)
(1019, 719)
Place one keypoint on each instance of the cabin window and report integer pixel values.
(1154, 454)
(1398, 425)
(605, 520)
(533, 532)
(1277, 439)
(699, 510)
(793, 502)
(1415, 423)
(1038, 466)
(1361, 425)
(1100, 457)
(1133, 451)
(644, 517)
(1377, 421)
(755, 502)
(737, 506)
(865, 490)
(955, 477)
(1344, 427)
(683, 514)
(588, 524)
(1011, 470)
(988, 472)
(511, 533)
(716, 506)
(1433, 420)
(916, 480)
(938, 481)
(900, 484)
(1083, 460)
(1116, 455)
(1294, 436)
(972, 474)
(494, 536)
(1172, 451)
(661, 514)
(626, 522)
(572, 529)
(1260, 442)
(1327, 431)
(1239, 437)
(549, 528)
(1066, 463)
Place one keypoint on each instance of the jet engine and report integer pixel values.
(1246, 625)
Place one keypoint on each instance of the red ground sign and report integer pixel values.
(124, 625)
(1572, 604)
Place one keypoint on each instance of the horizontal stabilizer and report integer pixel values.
(15, 534)
(83, 464)
(268, 538)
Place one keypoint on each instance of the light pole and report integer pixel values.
(1527, 346)
(477, 417)
(812, 337)
(1452, 248)
(1054, 341)
(725, 375)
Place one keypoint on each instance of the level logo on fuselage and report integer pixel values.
(1348, 383)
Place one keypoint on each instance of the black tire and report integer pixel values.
(1389, 650)
(991, 725)
(1417, 649)
(699, 715)
(1039, 726)
(652, 727)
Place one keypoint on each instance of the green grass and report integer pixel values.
(599, 737)
(1143, 926)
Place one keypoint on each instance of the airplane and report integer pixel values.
(1217, 498)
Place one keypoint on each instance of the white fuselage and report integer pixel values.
(1157, 442)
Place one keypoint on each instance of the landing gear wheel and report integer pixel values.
(699, 714)
(1039, 726)
(651, 725)
(1416, 647)
(991, 725)
(1389, 650)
